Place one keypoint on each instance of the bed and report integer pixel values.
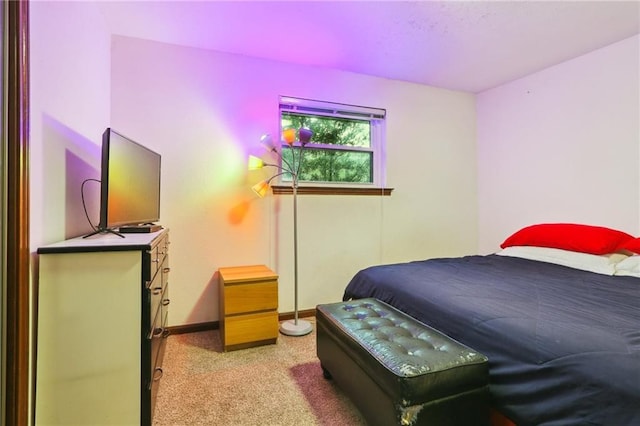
(563, 343)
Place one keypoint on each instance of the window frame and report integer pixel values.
(377, 122)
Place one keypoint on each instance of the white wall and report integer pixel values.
(70, 95)
(562, 145)
(205, 111)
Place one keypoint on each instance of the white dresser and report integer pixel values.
(102, 306)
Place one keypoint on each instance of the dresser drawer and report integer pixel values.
(155, 257)
(247, 328)
(157, 288)
(158, 336)
(164, 306)
(155, 296)
(158, 344)
(243, 298)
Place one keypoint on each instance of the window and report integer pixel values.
(346, 147)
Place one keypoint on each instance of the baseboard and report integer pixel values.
(193, 328)
(214, 325)
(301, 314)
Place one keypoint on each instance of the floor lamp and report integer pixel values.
(292, 166)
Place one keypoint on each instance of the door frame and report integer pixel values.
(15, 213)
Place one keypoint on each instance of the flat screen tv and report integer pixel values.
(129, 184)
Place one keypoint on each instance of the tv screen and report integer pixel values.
(130, 182)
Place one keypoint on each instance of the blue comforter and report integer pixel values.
(563, 344)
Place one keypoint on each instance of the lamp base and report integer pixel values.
(290, 328)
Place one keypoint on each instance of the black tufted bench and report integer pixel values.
(399, 371)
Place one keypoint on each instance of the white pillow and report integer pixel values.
(600, 264)
(629, 266)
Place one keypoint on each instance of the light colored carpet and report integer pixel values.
(273, 385)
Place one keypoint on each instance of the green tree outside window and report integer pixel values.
(339, 151)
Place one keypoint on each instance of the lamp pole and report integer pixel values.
(295, 246)
(297, 327)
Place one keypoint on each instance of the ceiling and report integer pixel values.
(462, 45)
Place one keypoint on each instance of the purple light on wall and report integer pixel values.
(73, 158)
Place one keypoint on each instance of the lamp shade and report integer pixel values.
(255, 163)
(289, 135)
(305, 135)
(261, 188)
(267, 141)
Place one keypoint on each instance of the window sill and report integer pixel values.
(331, 190)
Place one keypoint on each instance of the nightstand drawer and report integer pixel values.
(248, 328)
(250, 297)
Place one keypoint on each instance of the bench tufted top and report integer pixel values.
(404, 345)
(400, 352)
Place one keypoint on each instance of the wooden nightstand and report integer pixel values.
(248, 306)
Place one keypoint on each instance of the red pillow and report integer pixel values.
(569, 236)
(632, 245)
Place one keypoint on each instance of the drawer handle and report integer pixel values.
(157, 291)
(157, 332)
(165, 302)
(166, 270)
(157, 374)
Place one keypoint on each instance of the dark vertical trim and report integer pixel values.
(17, 225)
